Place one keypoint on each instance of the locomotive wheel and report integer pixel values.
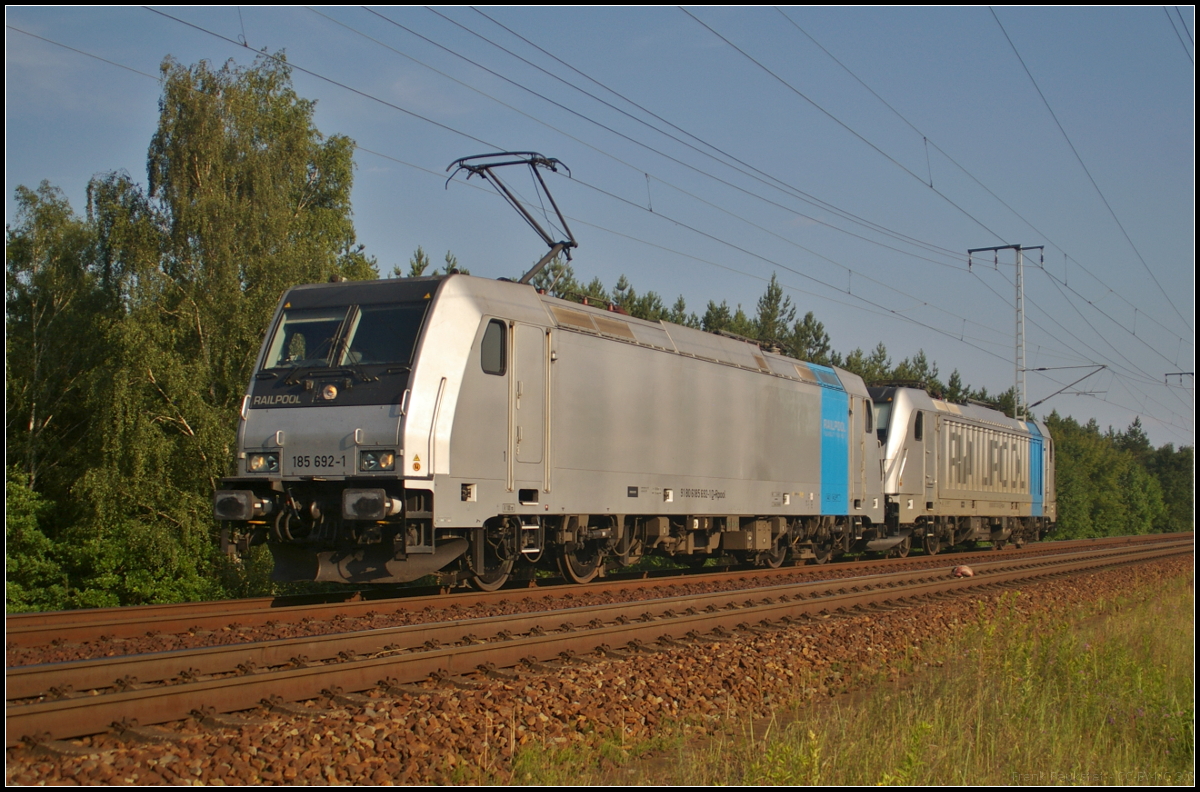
(494, 577)
(582, 564)
(822, 550)
(775, 557)
(498, 559)
(932, 544)
(901, 550)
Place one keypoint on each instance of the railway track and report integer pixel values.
(71, 699)
(80, 626)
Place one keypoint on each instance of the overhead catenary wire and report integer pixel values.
(743, 166)
(522, 87)
(1087, 271)
(419, 116)
(957, 256)
(633, 204)
(1145, 376)
(1088, 173)
(842, 124)
(958, 165)
(1174, 29)
(780, 265)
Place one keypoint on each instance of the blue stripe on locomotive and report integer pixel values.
(1037, 487)
(835, 443)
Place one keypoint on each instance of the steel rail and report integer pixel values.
(545, 639)
(39, 629)
(81, 676)
(58, 679)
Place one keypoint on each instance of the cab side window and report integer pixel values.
(493, 350)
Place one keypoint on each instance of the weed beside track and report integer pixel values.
(1053, 684)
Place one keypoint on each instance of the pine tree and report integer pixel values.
(776, 315)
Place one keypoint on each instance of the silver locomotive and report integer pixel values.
(478, 429)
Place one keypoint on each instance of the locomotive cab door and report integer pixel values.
(859, 417)
(528, 424)
(932, 426)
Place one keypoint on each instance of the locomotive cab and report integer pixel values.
(319, 440)
(957, 473)
(345, 431)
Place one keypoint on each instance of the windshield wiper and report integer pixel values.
(293, 377)
(357, 370)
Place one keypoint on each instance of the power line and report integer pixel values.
(882, 309)
(724, 153)
(1147, 378)
(1172, 23)
(330, 80)
(973, 178)
(635, 205)
(138, 72)
(745, 167)
(1087, 172)
(842, 124)
(791, 191)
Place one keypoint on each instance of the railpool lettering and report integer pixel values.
(267, 401)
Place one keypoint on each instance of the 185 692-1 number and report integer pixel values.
(318, 461)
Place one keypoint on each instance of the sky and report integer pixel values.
(855, 153)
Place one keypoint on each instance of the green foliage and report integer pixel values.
(1103, 489)
(719, 319)
(810, 342)
(34, 578)
(647, 306)
(955, 390)
(716, 317)
(1175, 471)
(416, 265)
(54, 305)
(174, 287)
(679, 315)
(557, 279)
(873, 367)
(919, 369)
(776, 315)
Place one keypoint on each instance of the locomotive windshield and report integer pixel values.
(305, 337)
(345, 336)
(883, 417)
(383, 334)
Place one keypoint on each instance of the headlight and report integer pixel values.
(262, 463)
(376, 460)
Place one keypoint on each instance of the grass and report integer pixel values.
(1012, 700)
